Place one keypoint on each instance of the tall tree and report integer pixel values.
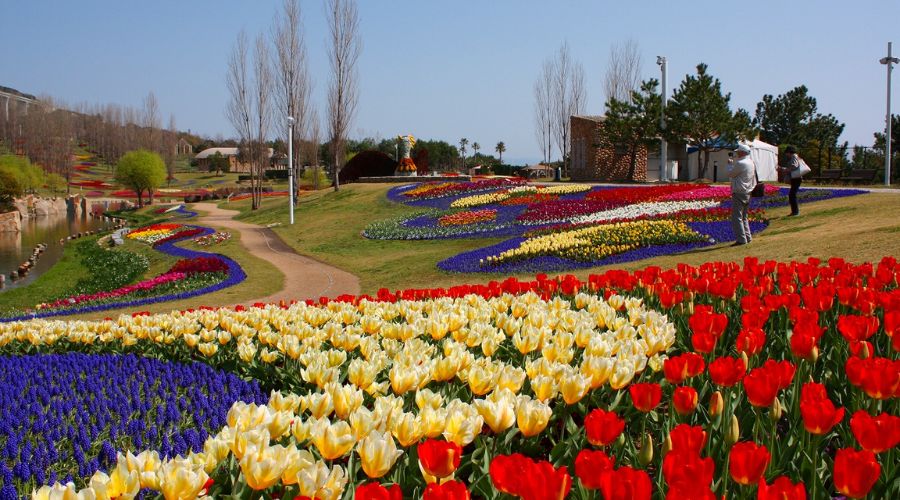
(543, 109)
(475, 148)
(784, 119)
(500, 148)
(569, 98)
(623, 71)
(292, 79)
(262, 115)
(150, 122)
(462, 150)
(343, 54)
(699, 115)
(634, 122)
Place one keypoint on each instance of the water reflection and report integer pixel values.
(15, 248)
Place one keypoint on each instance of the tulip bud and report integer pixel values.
(744, 357)
(620, 440)
(864, 350)
(667, 445)
(716, 404)
(734, 432)
(646, 454)
(775, 410)
(814, 354)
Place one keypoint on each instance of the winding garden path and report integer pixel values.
(304, 277)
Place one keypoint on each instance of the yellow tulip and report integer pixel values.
(332, 440)
(377, 454)
(320, 482)
(403, 379)
(407, 428)
(498, 415)
(481, 379)
(346, 399)
(532, 416)
(361, 373)
(284, 402)
(461, 428)
(574, 387)
(544, 387)
(180, 480)
(320, 404)
(262, 467)
(62, 492)
(295, 460)
(146, 464)
(208, 349)
(428, 398)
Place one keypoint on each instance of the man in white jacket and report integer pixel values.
(742, 172)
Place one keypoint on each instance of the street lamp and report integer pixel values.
(664, 147)
(291, 167)
(889, 62)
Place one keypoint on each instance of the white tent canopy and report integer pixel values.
(763, 154)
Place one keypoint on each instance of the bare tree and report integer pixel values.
(569, 98)
(262, 117)
(543, 109)
(150, 121)
(343, 54)
(170, 148)
(237, 79)
(312, 149)
(292, 79)
(623, 72)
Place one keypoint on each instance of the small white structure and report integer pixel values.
(763, 154)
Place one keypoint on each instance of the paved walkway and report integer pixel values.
(304, 278)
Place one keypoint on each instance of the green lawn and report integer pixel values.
(328, 227)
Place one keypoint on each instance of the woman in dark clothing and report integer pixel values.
(792, 173)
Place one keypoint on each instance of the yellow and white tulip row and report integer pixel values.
(597, 242)
(566, 189)
(493, 197)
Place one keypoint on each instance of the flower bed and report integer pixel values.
(766, 378)
(212, 239)
(552, 218)
(66, 416)
(469, 217)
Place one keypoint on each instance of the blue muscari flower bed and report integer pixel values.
(236, 275)
(65, 416)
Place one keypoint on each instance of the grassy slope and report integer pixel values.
(328, 227)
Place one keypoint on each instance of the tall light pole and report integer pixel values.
(889, 62)
(664, 147)
(291, 167)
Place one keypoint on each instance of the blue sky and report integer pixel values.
(446, 70)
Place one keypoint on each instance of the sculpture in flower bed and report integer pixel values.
(547, 222)
(67, 416)
(711, 380)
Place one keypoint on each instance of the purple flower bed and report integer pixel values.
(65, 416)
(235, 275)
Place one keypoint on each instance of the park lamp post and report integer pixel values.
(889, 62)
(664, 147)
(291, 167)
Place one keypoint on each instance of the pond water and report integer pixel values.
(15, 248)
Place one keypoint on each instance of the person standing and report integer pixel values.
(792, 173)
(742, 172)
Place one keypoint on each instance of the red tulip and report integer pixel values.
(856, 328)
(747, 462)
(449, 490)
(439, 458)
(679, 368)
(684, 399)
(751, 341)
(521, 476)
(878, 377)
(590, 466)
(780, 489)
(626, 483)
(855, 472)
(688, 475)
(875, 434)
(687, 439)
(891, 322)
(603, 427)
(804, 346)
(727, 371)
(818, 412)
(704, 342)
(783, 370)
(761, 386)
(645, 397)
(375, 491)
(704, 320)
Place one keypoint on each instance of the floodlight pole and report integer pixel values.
(291, 167)
(889, 62)
(664, 147)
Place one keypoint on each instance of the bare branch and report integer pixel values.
(343, 53)
(623, 72)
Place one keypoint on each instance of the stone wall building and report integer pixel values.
(595, 158)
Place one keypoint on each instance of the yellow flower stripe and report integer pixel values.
(596, 242)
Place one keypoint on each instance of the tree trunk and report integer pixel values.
(337, 171)
(632, 164)
(702, 173)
